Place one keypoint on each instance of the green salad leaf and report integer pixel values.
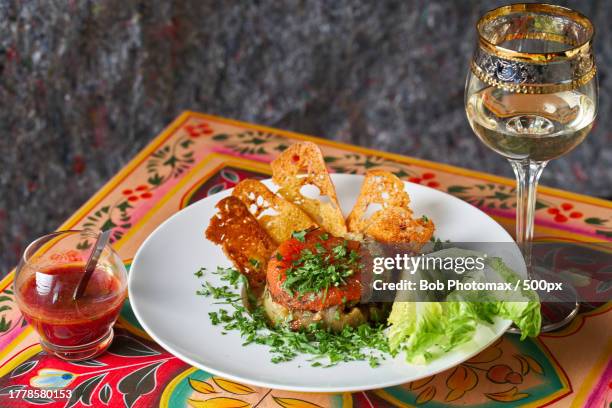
(427, 329)
(525, 315)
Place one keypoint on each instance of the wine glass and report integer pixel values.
(531, 96)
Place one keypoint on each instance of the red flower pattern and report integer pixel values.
(564, 212)
(140, 192)
(426, 179)
(198, 130)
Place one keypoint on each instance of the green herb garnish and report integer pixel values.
(254, 262)
(326, 348)
(230, 275)
(317, 272)
(340, 250)
(222, 292)
(299, 235)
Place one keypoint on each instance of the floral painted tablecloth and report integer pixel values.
(199, 155)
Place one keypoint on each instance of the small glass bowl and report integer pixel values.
(45, 281)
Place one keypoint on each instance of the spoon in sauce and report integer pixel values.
(99, 245)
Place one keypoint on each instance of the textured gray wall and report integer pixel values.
(85, 85)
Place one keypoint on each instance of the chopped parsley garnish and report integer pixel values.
(326, 348)
(279, 257)
(214, 318)
(425, 218)
(299, 235)
(254, 262)
(222, 292)
(317, 272)
(339, 250)
(230, 275)
(324, 236)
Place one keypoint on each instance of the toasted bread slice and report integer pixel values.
(396, 225)
(300, 165)
(379, 187)
(244, 241)
(277, 216)
(393, 222)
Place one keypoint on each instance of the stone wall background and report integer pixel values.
(85, 85)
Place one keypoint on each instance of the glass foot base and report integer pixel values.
(554, 316)
(81, 352)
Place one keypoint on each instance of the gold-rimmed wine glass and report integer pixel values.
(531, 96)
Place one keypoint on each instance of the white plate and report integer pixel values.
(162, 294)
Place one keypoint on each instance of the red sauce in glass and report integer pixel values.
(48, 306)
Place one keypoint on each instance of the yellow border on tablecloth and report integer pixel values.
(6, 281)
(11, 346)
(20, 358)
(405, 159)
(167, 393)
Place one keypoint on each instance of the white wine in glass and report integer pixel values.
(525, 126)
(531, 96)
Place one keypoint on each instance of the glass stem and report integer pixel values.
(527, 175)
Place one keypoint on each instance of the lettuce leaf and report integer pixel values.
(525, 315)
(426, 330)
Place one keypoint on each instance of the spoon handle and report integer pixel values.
(92, 262)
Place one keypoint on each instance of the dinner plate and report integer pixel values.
(162, 290)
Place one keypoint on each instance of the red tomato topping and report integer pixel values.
(288, 252)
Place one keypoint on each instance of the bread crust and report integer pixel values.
(379, 187)
(243, 240)
(394, 222)
(277, 216)
(302, 164)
